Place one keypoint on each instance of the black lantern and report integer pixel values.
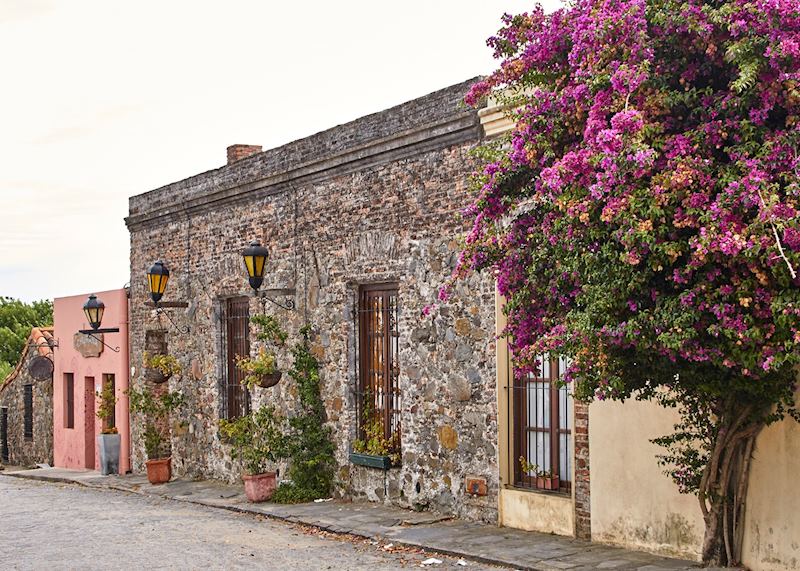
(255, 260)
(94, 309)
(157, 277)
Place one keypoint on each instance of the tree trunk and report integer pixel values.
(723, 489)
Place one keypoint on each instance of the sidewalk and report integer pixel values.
(480, 542)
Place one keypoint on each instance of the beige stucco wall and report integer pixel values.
(536, 511)
(633, 503)
(772, 519)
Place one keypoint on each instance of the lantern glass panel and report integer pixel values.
(249, 262)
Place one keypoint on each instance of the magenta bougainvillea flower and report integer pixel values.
(648, 197)
(643, 216)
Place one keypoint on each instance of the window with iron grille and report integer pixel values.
(378, 345)
(28, 420)
(541, 415)
(235, 340)
(4, 435)
(69, 400)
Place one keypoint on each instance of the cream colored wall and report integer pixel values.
(772, 519)
(523, 509)
(634, 504)
(535, 511)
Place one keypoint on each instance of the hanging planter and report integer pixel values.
(160, 368)
(262, 370)
(270, 380)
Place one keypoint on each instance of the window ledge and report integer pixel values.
(553, 493)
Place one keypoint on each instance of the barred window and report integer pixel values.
(4, 435)
(542, 418)
(379, 368)
(69, 400)
(28, 420)
(235, 340)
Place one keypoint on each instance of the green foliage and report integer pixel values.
(167, 364)
(269, 329)
(16, 320)
(309, 445)
(256, 367)
(266, 362)
(374, 439)
(256, 438)
(156, 409)
(105, 412)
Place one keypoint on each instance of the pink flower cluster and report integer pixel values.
(649, 192)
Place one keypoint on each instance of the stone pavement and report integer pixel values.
(480, 542)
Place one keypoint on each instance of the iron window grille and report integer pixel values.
(69, 400)
(28, 418)
(540, 421)
(378, 396)
(4, 435)
(235, 340)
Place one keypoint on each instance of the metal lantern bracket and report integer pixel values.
(264, 296)
(160, 311)
(91, 333)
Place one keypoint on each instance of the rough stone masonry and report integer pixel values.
(372, 201)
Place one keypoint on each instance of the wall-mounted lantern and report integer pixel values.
(157, 278)
(255, 262)
(94, 309)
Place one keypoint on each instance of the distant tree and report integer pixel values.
(16, 320)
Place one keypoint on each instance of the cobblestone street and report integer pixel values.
(57, 526)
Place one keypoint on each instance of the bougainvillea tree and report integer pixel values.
(642, 218)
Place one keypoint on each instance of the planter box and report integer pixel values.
(108, 450)
(381, 462)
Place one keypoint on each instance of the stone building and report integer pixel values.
(362, 225)
(26, 404)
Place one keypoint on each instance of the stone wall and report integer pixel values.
(26, 451)
(372, 201)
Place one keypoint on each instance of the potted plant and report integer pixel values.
(257, 440)
(262, 370)
(374, 449)
(108, 443)
(159, 368)
(543, 479)
(156, 409)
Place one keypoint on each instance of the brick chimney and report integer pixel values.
(239, 152)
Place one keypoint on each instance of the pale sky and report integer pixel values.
(102, 99)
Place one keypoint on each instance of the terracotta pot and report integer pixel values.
(267, 381)
(547, 483)
(259, 488)
(159, 471)
(155, 376)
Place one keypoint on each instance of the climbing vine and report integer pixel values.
(308, 443)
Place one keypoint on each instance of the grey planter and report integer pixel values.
(108, 447)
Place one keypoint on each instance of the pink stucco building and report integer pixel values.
(82, 365)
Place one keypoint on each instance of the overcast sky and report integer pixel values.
(101, 100)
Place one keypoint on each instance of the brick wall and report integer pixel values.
(372, 201)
